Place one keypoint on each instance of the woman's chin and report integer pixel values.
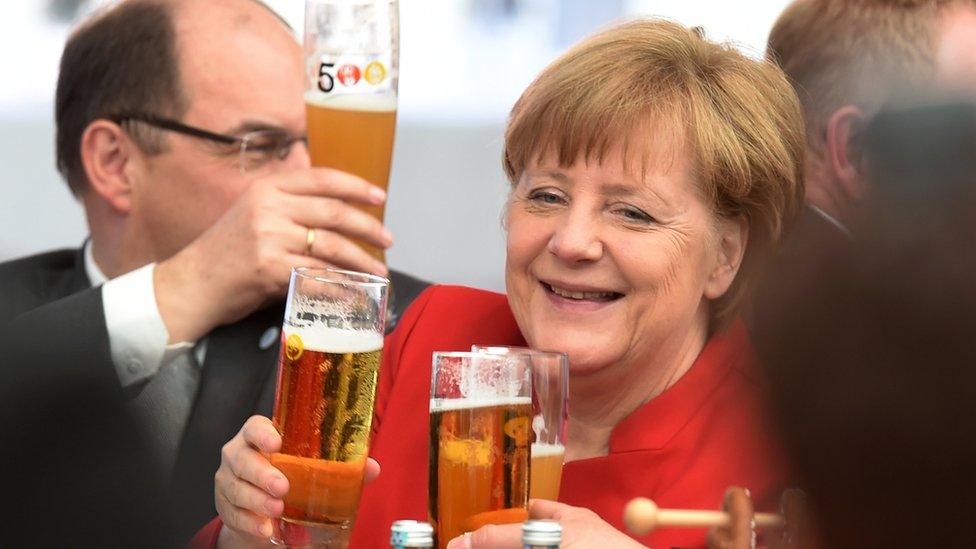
(583, 361)
(587, 352)
(585, 368)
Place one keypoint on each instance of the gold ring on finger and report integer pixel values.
(309, 240)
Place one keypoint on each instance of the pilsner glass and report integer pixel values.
(331, 347)
(550, 410)
(352, 68)
(480, 437)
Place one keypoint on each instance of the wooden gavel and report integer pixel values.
(642, 516)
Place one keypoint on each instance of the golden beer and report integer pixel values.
(550, 391)
(324, 412)
(547, 470)
(479, 464)
(354, 133)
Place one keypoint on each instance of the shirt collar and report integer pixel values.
(95, 275)
(654, 424)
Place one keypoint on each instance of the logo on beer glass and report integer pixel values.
(375, 72)
(519, 428)
(348, 75)
(294, 347)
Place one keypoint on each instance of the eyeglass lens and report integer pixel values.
(261, 147)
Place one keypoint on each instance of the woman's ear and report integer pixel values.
(732, 237)
(108, 156)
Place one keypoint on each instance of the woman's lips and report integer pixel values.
(576, 300)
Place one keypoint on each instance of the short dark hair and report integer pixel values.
(122, 60)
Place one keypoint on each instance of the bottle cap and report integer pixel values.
(411, 533)
(542, 532)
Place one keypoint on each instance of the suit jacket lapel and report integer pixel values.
(234, 373)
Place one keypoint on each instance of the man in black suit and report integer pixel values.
(180, 128)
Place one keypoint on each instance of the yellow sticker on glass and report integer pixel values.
(294, 347)
(375, 73)
(518, 428)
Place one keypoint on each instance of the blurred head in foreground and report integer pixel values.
(871, 361)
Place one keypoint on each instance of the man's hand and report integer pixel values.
(245, 259)
(582, 529)
(248, 490)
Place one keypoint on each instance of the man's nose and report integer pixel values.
(299, 156)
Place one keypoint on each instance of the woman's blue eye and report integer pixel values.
(633, 214)
(545, 197)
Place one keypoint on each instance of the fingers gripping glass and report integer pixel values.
(256, 149)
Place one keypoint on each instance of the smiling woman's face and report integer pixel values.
(610, 266)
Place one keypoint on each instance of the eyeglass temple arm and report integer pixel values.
(175, 126)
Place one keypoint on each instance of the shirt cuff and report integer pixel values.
(136, 332)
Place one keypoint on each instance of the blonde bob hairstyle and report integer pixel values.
(739, 117)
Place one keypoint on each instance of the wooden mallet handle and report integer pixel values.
(642, 516)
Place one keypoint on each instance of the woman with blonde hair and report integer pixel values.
(651, 171)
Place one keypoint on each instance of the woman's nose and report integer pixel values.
(576, 238)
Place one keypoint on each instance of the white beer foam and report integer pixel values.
(448, 404)
(331, 340)
(544, 450)
(371, 102)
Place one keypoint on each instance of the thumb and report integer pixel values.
(545, 509)
(491, 536)
(372, 470)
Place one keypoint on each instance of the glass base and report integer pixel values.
(298, 533)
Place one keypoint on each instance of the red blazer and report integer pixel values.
(683, 449)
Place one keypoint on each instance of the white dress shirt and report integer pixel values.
(137, 335)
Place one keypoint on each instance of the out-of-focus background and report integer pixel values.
(463, 64)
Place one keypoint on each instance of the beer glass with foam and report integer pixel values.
(550, 411)
(351, 63)
(480, 438)
(331, 347)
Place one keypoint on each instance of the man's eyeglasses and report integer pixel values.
(256, 149)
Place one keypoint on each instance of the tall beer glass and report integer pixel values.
(480, 437)
(332, 343)
(550, 412)
(352, 65)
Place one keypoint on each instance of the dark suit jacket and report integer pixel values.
(806, 251)
(50, 294)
